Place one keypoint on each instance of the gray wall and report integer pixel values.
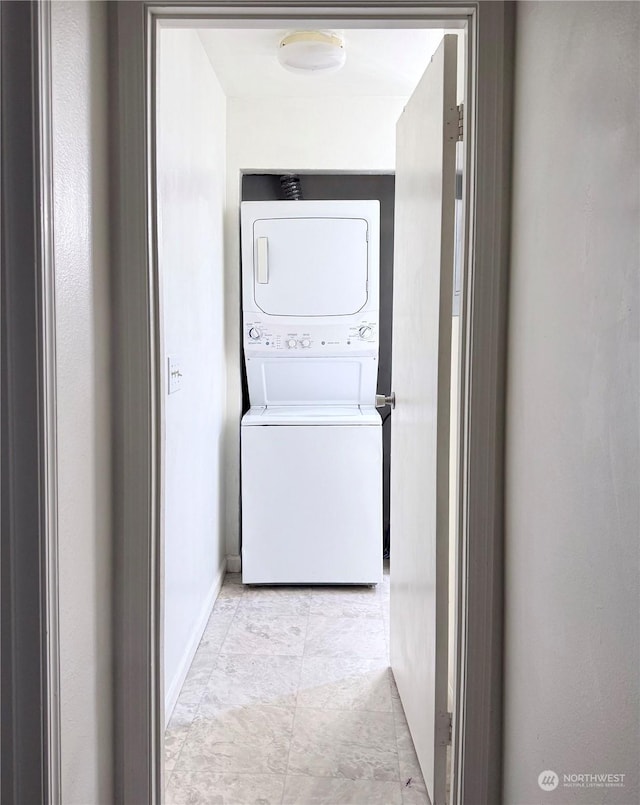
(572, 524)
(344, 186)
(79, 56)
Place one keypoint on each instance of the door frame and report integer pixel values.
(29, 547)
(137, 400)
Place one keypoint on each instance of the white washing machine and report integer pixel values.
(311, 443)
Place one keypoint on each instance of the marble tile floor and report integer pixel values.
(290, 701)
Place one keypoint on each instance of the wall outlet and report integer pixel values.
(175, 375)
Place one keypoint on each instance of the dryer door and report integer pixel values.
(310, 266)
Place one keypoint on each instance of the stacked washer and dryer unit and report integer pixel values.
(311, 443)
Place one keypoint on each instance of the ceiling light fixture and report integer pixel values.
(312, 52)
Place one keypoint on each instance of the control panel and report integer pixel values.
(356, 336)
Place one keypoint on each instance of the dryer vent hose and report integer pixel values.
(290, 184)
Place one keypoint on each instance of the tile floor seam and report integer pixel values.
(204, 688)
(295, 709)
(395, 731)
(391, 678)
(186, 738)
(235, 773)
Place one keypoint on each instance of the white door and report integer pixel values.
(423, 271)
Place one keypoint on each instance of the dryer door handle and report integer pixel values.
(262, 260)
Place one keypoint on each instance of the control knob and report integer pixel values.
(364, 331)
(291, 343)
(305, 342)
(254, 333)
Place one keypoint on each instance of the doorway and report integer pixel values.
(197, 274)
(151, 645)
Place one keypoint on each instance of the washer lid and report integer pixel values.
(312, 415)
(340, 381)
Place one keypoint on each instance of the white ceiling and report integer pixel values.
(379, 63)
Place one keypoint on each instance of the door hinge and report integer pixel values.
(445, 729)
(460, 121)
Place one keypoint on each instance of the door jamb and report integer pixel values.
(479, 654)
(139, 700)
(30, 639)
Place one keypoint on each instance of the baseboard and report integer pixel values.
(178, 681)
(234, 563)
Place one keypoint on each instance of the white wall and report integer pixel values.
(289, 134)
(572, 524)
(191, 198)
(80, 187)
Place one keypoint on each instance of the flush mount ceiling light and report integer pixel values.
(312, 52)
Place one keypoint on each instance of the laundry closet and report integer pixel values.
(276, 459)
